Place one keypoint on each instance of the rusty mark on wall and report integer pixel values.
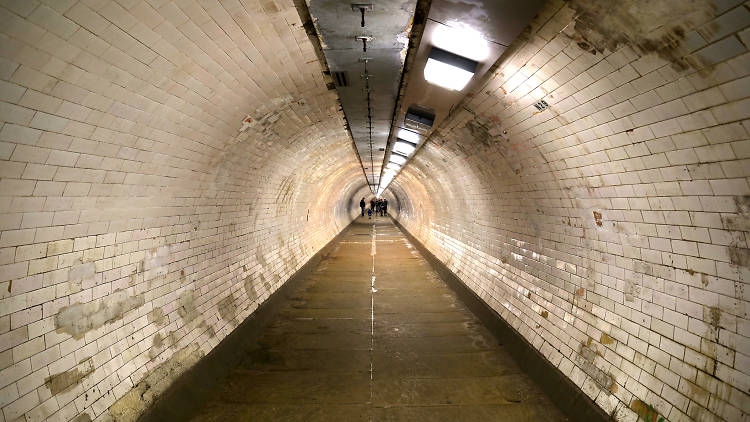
(598, 218)
(645, 411)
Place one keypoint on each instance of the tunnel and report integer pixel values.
(566, 235)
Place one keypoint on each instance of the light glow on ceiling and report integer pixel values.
(449, 70)
(408, 135)
(459, 39)
(405, 148)
(393, 166)
(398, 159)
(446, 75)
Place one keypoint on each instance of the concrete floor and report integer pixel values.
(373, 334)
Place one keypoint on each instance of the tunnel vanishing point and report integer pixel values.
(567, 234)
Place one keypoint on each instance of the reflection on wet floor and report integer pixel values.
(375, 335)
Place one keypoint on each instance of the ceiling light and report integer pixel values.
(408, 135)
(459, 39)
(388, 171)
(449, 70)
(398, 159)
(393, 166)
(404, 147)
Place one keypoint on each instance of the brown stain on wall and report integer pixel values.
(186, 306)
(715, 317)
(156, 317)
(156, 345)
(260, 257)
(644, 411)
(585, 360)
(741, 221)
(739, 256)
(83, 417)
(649, 26)
(598, 218)
(159, 343)
(65, 380)
(252, 293)
(228, 308)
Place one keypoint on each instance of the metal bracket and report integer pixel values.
(362, 8)
(364, 39)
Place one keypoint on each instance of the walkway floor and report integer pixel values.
(375, 335)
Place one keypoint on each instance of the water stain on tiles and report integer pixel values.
(228, 309)
(186, 308)
(83, 417)
(65, 380)
(658, 27)
(78, 319)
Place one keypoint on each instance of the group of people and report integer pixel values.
(377, 206)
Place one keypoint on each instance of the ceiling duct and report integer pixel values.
(365, 43)
(419, 118)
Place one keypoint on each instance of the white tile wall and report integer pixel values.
(622, 210)
(123, 169)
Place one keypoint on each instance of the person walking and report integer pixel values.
(385, 206)
(362, 205)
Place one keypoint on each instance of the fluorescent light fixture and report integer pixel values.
(408, 135)
(419, 118)
(459, 39)
(404, 147)
(398, 159)
(449, 70)
(393, 166)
